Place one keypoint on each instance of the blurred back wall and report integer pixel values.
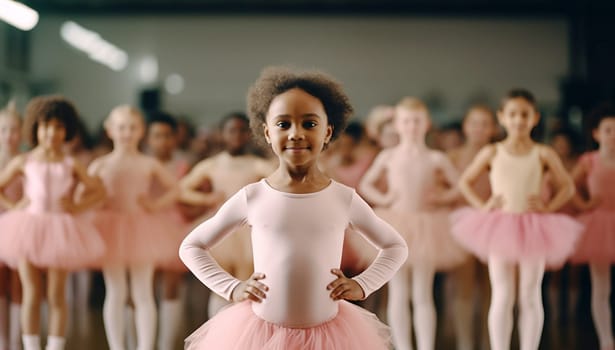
(448, 61)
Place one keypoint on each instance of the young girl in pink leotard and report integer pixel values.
(44, 236)
(10, 288)
(227, 172)
(514, 226)
(416, 206)
(294, 300)
(594, 173)
(470, 278)
(162, 144)
(137, 239)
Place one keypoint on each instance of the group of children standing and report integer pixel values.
(276, 248)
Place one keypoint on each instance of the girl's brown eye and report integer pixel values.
(283, 125)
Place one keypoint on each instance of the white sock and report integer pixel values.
(600, 304)
(114, 305)
(170, 320)
(531, 312)
(500, 319)
(423, 307)
(55, 342)
(31, 342)
(3, 323)
(15, 326)
(398, 310)
(129, 322)
(142, 292)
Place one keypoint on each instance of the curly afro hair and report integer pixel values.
(47, 108)
(274, 81)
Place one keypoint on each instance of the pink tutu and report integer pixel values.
(428, 237)
(516, 237)
(133, 238)
(179, 228)
(598, 241)
(49, 240)
(238, 328)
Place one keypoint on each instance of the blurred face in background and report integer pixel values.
(518, 117)
(562, 146)
(479, 127)
(161, 140)
(125, 128)
(51, 134)
(182, 134)
(388, 136)
(345, 145)
(411, 124)
(9, 133)
(235, 135)
(449, 139)
(605, 134)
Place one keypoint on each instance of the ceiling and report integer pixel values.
(452, 7)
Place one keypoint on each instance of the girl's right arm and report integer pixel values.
(13, 169)
(579, 176)
(367, 186)
(188, 188)
(479, 165)
(195, 249)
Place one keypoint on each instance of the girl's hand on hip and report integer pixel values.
(494, 202)
(251, 289)
(344, 288)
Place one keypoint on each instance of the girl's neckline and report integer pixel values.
(522, 155)
(291, 194)
(38, 159)
(603, 163)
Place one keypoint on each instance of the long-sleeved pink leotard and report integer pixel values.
(297, 240)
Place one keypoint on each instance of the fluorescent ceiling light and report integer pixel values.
(97, 48)
(18, 14)
(174, 84)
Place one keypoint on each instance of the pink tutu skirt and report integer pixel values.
(428, 235)
(133, 238)
(178, 230)
(49, 240)
(517, 237)
(598, 241)
(238, 328)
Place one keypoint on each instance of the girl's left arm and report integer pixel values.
(452, 178)
(93, 189)
(13, 169)
(562, 179)
(167, 180)
(393, 249)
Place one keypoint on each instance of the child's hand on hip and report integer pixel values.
(494, 202)
(251, 289)
(345, 288)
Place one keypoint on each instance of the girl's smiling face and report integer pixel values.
(51, 134)
(125, 128)
(411, 123)
(518, 116)
(297, 128)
